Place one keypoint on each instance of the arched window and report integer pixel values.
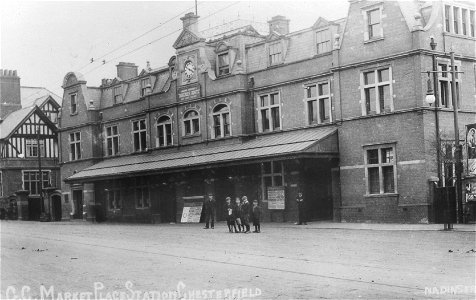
(164, 132)
(191, 122)
(221, 121)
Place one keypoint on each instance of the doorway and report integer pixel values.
(78, 204)
(56, 207)
(34, 209)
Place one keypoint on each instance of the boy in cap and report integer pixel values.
(229, 216)
(237, 213)
(256, 214)
(245, 213)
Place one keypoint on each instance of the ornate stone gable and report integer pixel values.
(186, 38)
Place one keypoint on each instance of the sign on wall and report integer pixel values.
(191, 212)
(189, 93)
(276, 197)
(471, 148)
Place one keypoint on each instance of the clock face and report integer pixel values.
(189, 69)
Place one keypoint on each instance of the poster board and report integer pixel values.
(192, 210)
(471, 149)
(276, 197)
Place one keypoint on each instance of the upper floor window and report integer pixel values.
(191, 122)
(32, 148)
(164, 132)
(373, 24)
(323, 40)
(117, 94)
(221, 121)
(269, 112)
(144, 86)
(459, 20)
(318, 101)
(376, 89)
(275, 53)
(223, 64)
(445, 79)
(380, 169)
(139, 134)
(74, 104)
(32, 181)
(112, 140)
(1, 184)
(75, 146)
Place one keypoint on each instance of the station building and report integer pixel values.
(336, 111)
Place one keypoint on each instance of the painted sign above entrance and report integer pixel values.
(189, 93)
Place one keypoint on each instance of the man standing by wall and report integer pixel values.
(210, 210)
(301, 209)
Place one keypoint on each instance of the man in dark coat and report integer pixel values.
(301, 209)
(210, 211)
(245, 213)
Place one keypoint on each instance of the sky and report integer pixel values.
(44, 41)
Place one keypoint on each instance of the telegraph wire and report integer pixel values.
(156, 40)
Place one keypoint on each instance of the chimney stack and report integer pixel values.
(10, 97)
(126, 71)
(279, 24)
(190, 22)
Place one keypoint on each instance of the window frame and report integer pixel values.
(272, 175)
(190, 121)
(162, 127)
(459, 20)
(31, 145)
(369, 35)
(141, 184)
(309, 99)
(73, 103)
(380, 165)
(376, 85)
(269, 108)
(1, 183)
(275, 58)
(447, 79)
(37, 182)
(75, 151)
(327, 43)
(222, 117)
(144, 82)
(116, 204)
(226, 68)
(113, 136)
(117, 97)
(142, 140)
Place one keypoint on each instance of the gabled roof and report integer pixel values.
(187, 38)
(31, 96)
(17, 118)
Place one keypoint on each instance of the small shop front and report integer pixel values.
(169, 188)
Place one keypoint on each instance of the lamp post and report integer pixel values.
(430, 98)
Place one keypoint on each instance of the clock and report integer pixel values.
(189, 69)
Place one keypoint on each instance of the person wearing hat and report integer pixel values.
(210, 210)
(301, 209)
(245, 213)
(229, 215)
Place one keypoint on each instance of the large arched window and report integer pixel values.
(191, 122)
(164, 132)
(221, 121)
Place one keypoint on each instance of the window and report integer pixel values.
(144, 86)
(191, 122)
(223, 64)
(447, 18)
(140, 135)
(380, 170)
(75, 146)
(318, 103)
(74, 104)
(459, 20)
(455, 19)
(114, 198)
(142, 192)
(1, 184)
(164, 132)
(444, 85)
(377, 91)
(275, 53)
(464, 16)
(31, 181)
(221, 121)
(272, 174)
(323, 39)
(32, 148)
(117, 94)
(112, 140)
(471, 23)
(269, 112)
(374, 26)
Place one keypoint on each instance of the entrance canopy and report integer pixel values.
(314, 142)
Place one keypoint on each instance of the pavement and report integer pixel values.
(81, 260)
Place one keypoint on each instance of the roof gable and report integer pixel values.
(16, 119)
(321, 22)
(187, 38)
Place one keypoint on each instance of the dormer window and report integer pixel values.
(323, 41)
(117, 94)
(223, 64)
(74, 104)
(144, 86)
(275, 53)
(374, 26)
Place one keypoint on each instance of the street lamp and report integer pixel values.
(430, 97)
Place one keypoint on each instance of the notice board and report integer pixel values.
(276, 197)
(191, 212)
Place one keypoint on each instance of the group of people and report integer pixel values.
(238, 215)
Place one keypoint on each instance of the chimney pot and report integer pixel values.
(126, 70)
(190, 22)
(279, 24)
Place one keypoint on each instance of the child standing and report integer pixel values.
(245, 213)
(237, 214)
(256, 215)
(229, 216)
